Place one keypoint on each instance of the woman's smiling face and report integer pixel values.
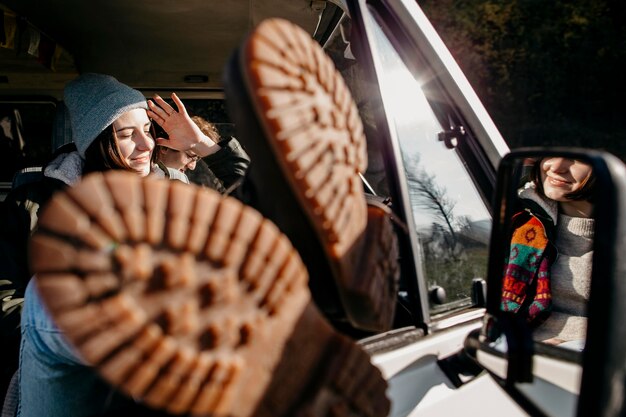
(134, 139)
(562, 176)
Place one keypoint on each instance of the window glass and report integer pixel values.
(451, 219)
(339, 49)
(214, 111)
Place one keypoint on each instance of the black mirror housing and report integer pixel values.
(602, 384)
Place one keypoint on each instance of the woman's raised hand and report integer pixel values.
(184, 134)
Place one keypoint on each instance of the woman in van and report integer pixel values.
(166, 295)
(111, 130)
(548, 275)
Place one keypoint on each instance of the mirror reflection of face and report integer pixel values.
(177, 160)
(134, 139)
(562, 176)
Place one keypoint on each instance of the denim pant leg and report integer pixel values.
(53, 380)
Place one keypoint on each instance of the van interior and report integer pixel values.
(158, 47)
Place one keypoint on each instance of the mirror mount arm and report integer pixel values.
(520, 348)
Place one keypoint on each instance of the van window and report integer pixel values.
(214, 111)
(451, 219)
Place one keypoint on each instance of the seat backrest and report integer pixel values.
(26, 176)
(61, 138)
(12, 155)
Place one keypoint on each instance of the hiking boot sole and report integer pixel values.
(193, 303)
(295, 114)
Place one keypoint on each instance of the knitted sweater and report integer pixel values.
(547, 277)
(570, 280)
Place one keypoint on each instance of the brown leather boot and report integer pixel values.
(193, 303)
(298, 121)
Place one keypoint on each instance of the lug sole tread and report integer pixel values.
(313, 127)
(182, 322)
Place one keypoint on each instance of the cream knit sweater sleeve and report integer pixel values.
(570, 279)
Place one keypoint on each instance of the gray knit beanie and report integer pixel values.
(95, 101)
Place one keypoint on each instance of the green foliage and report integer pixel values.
(549, 72)
(454, 273)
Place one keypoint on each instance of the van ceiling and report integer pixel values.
(149, 44)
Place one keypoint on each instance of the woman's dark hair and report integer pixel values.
(104, 154)
(584, 193)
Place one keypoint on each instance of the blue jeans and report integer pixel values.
(53, 380)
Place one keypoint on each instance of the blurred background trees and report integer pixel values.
(548, 72)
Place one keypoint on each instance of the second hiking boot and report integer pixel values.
(296, 117)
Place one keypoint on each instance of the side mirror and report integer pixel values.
(554, 335)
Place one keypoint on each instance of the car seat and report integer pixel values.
(61, 136)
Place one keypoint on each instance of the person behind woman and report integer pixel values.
(222, 171)
(111, 130)
(547, 278)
